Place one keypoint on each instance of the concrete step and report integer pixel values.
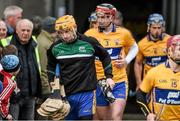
(133, 117)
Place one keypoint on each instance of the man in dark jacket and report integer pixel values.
(76, 54)
(28, 79)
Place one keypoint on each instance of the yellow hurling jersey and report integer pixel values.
(152, 53)
(164, 86)
(115, 43)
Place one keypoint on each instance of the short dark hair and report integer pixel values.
(9, 50)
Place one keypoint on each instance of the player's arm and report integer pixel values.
(51, 63)
(132, 53)
(138, 66)
(132, 46)
(141, 100)
(103, 55)
(5, 95)
(145, 88)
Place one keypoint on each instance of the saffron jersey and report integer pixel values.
(115, 43)
(164, 86)
(152, 53)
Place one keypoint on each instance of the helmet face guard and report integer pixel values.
(92, 17)
(156, 19)
(106, 12)
(173, 46)
(66, 23)
(106, 8)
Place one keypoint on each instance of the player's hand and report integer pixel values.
(9, 117)
(151, 117)
(110, 82)
(138, 85)
(121, 62)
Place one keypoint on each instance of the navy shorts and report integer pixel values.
(119, 91)
(82, 104)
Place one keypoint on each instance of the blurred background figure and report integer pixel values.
(11, 67)
(37, 25)
(93, 20)
(9, 50)
(12, 14)
(45, 39)
(22, 104)
(3, 34)
(152, 48)
(118, 21)
(3, 29)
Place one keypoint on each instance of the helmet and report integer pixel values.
(156, 18)
(65, 22)
(106, 9)
(173, 46)
(92, 17)
(172, 40)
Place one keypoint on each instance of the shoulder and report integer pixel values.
(157, 70)
(123, 30)
(91, 32)
(166, 37)
(43, 41)
(143, 41)
(86, 38)
(55, 44)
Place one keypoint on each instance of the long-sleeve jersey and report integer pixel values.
(152, 53)
(164, 86)
(77, 63)
(117, 44)
(8, 87)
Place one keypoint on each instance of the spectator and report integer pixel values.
(45, 39)
(12, 14)
(3, 34)
(37, 25)
(28, 80)
(11, 67)
(3, 29)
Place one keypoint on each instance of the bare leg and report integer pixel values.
(117, 109)
(95, 117)
(103, 112)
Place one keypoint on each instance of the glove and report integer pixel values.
(106, 90)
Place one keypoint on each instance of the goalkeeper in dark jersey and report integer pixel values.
(76, 54)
